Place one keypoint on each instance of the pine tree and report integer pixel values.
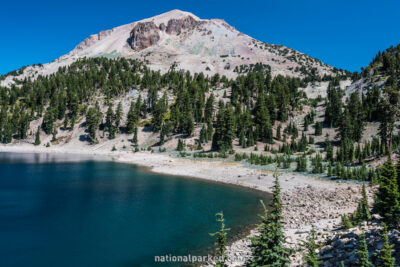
(73, 120)
(48, 120)
(398, 175)
(250, 138)
(210, 130)
(262, 120)
(203, 135)
(242, 138)
(221, 241)
(135, 136)
(362, 252)
(109, 117)
(133, 115)
(389, 114)
(385, 255)
(318, 128)
(37, 138)
(93, 118)
(333, 105)
(306, 123)
(112, 132)
(131, 119)
(328, 149)
(224, 130)
(278, 132)
(268, 248)
(387, 196)
(310, 245)
(162, 136)
(301, 164)
(181, 146)
(209, 109)
(363, 213)
(118, 115)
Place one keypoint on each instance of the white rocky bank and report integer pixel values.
(304, 207)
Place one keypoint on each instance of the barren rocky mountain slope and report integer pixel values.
(184, 41)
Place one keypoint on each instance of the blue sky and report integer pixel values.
(345, 34)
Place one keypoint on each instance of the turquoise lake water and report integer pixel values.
(74, 211)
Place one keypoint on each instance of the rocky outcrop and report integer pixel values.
(143, 35)
(146, 34)
(176, 26)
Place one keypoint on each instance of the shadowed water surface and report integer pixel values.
(58, 210)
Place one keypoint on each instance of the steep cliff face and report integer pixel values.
(146, 34)
(143, 35)
(176, 26)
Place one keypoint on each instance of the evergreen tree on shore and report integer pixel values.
(385, 255)
(93, 118)
(363, 213)
(362, 252)
(221, 241)
(268, 248)
(37, 137)
(135, 136)
(387, 197)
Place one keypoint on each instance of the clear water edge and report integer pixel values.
(224, 192)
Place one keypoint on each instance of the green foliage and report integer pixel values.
(362, 252)
(133, 115)
(301, 164)
(278, 132)
(224, 130)
(93, 118)
(221, 241)
(118, 115)
(387, 196)
(48, 120)
(310, 246)
(181, 145)
(385, 255)
(317, 164)
(346, 222)
(363, 212)
(389, 115)
(37, 137)
(135, 136)
(318, 128)
(333, 105)
(268, 248)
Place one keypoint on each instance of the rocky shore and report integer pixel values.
(304, 207)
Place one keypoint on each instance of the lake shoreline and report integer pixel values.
(308, 200)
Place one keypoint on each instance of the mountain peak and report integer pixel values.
(173, 14)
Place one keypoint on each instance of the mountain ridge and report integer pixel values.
(201, 45)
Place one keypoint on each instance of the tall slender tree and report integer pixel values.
(387, 196)
(221, 241)
(362, 252)
(268, 248)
